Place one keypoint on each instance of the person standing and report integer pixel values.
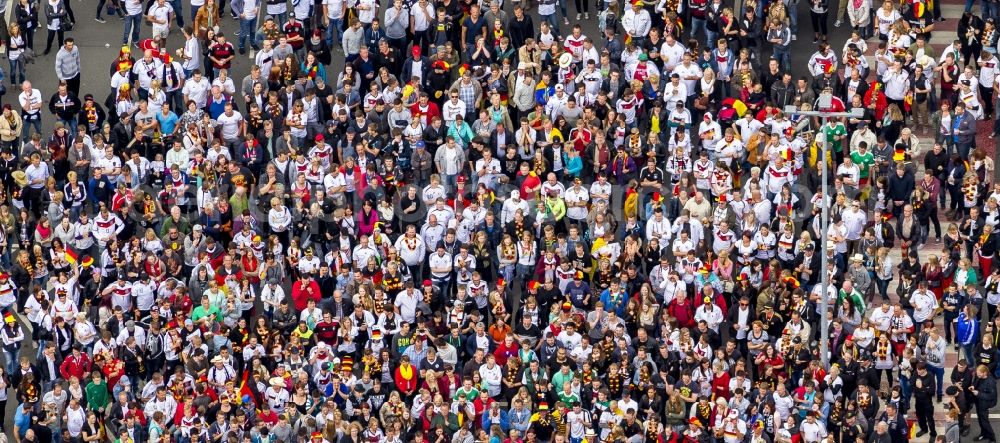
(923, 392)
(159, 16)
(133, 19)
(68, 66)
(30, 100)
(984, 388)
(55, 14)
(247, 12)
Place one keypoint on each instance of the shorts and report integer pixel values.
(159, 32)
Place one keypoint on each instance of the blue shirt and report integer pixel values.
(22, 420)
(168, 122)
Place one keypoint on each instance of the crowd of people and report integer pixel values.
(440, 221)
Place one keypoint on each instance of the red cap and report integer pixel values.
(416, 51)
(428, 283)
(319, 137)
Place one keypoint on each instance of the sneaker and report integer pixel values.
(942, 19)
(586, 16)
(577, 16)
(837, 23)
(565, 21)
(243, 51)
(794, 37)
(100, 20)
(815, 40)
(234, 15)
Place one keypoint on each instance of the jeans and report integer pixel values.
(562, 8)
(280, 19)
(11, 357)
(551, 20)
(784, 55)
(905, 390)
(247, 29)
(175, 99)
(963, 149)
(793, 19)
(991, 10)
(194, 12)
(334, 32)
(449, 181)
(132, 23)
(178, 12)
(710, 38)
(697, 25)
(968, 5)
(969, 352)
(883, 287)
(28, 123)
(16, 72)
(68, 123)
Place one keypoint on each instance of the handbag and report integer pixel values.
(701, 103)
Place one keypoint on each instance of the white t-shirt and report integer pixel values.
(161, 13)
(230, 125)
(34, 98)
(197, 91)
(334, 9)
(192, 49)
(133, 7)
(277, 9)
(420, 22)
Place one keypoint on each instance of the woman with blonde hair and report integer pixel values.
(884, 269)
(965, 274)
(16, 45)
(156, 96)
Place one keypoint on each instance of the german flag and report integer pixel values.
(72, 256)
(245, 394)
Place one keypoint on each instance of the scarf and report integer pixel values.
(406, 371)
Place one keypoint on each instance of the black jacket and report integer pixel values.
(986, 392)
(927, 388)
(900, 188)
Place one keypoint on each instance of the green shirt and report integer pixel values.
(200, 312)
(859, 301)
(864, 161)
(97, 395)
(835, 131)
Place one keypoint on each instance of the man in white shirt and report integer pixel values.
(232, 124)
(452, 108)
(333, 11)
(576, 198)
(247, 12)
(159, 16)
(441, 264)
(31, 105)
(191, 53)
(196, 89)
